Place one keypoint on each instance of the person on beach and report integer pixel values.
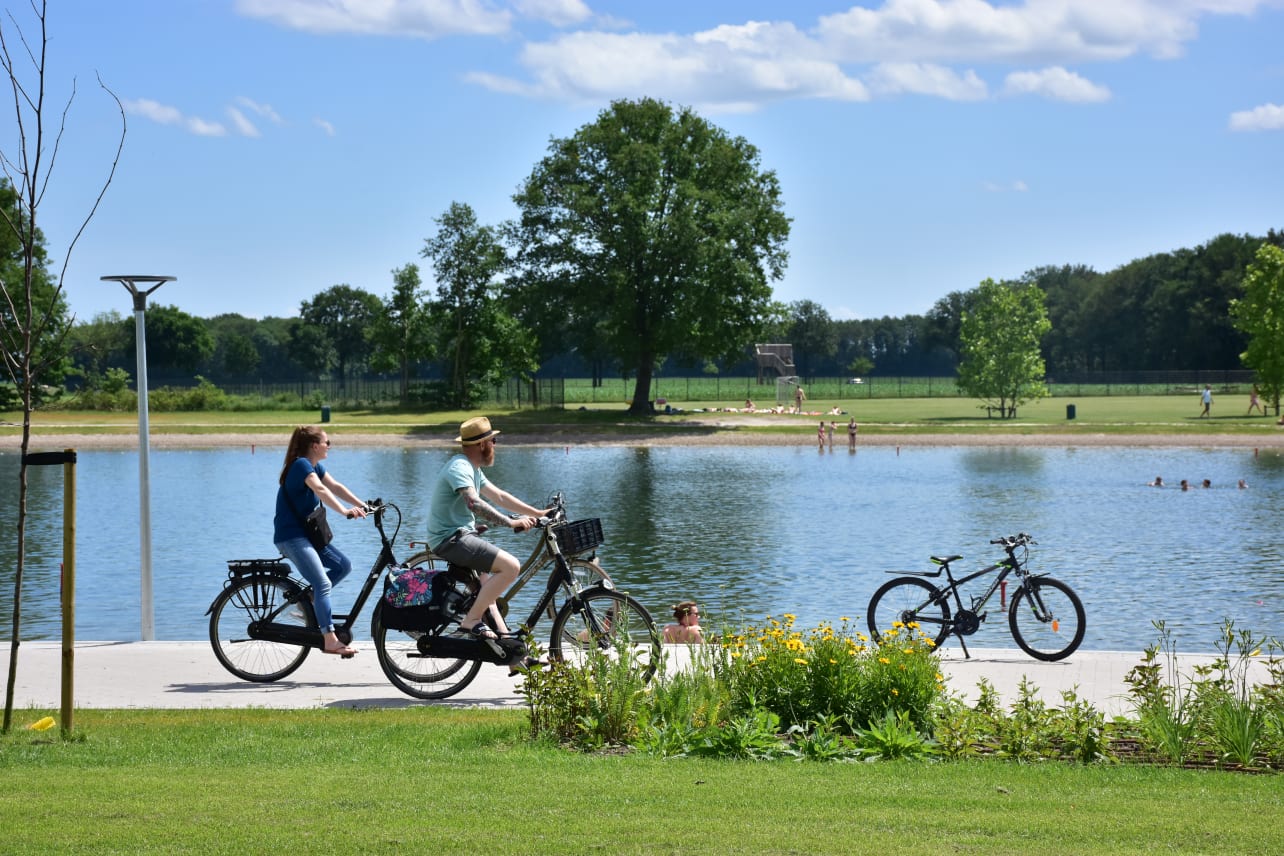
(304, 484)
(461, 494)
(799, 398)
(686, 626)
(829, 434)
(852, 429)
(820, 435)
(1254, 402)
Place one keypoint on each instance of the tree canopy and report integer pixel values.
(476, 333)
(999, 339)
(656, 233)
(1259, 315)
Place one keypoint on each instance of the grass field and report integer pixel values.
(1156, 414)
(434, 779)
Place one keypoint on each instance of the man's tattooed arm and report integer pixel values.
(483, 509)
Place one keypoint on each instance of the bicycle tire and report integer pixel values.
(593, 621)
(909, 600)
(253, 598)
(1039, 615)
(411, 672)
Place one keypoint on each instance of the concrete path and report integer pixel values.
(186, 675)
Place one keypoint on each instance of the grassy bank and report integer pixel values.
(1164, 415)
(428, 779)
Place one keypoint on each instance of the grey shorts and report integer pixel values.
(470, 550)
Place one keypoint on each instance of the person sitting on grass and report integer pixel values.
(686, 628)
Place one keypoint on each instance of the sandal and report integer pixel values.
(482, 633)
(343, 651)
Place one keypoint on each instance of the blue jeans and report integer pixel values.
(314, 567)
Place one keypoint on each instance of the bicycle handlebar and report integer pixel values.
(1011, 542)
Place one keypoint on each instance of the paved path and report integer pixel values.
(186, 675)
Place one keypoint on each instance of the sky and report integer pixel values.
(275, 148)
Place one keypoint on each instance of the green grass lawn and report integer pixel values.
(1156, 414)
(432, 779)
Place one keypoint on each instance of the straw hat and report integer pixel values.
(474, 430)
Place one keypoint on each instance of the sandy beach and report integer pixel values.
(704, 434)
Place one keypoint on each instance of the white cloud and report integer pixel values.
(1266, 117)
(263, 110)
(163, 114)
(1017, 186)
(730, 68)
(243, 126)
(894, 78)
(1032, 31)
(1056, 84)
(325, 126)
(560, 13)
(425, 19)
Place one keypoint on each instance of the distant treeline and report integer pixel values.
(1164, 312)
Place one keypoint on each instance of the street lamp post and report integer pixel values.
(144, 479)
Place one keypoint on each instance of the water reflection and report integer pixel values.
(747, 531)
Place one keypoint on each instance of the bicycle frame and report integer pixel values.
(544, 551)
(311, 636)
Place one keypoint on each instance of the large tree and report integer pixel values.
(334, 329)
(177, 343)
(401, 334)
(1259, 315)
(999, 338)
(813, 335)
(656, 231)
(481, 339)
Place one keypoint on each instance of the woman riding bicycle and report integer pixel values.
(304, 484)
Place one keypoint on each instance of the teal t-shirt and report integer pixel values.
(448, 512)
(286, 523)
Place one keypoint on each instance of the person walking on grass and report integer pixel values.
(1207, 399)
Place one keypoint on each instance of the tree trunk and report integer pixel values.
(641, 405)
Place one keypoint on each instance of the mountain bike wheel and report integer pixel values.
(909, 600)
(1047, 619)
(256, 598)
(412, 672)
(609, 623)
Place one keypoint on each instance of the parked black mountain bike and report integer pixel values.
(1045, 615)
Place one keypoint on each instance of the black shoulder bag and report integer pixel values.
(315, 526)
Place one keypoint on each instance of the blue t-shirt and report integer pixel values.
(449, 512)
(286, 524)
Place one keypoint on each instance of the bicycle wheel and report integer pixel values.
(1047, 619)
(256, 598)
(587, 573)
(609, 622)
(412, 672)
(909, 600)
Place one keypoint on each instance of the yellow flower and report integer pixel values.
(862, 637)
(897, 624)
(884, 661)
(907, 650)
(833, 661)
(902, 667)
(42, 724)
(1256, 652)
(940, 677)
(735, 654)
(913, 625)
(844, 618)
(895, 691)
(800, 660)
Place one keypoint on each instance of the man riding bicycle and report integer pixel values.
(460, 495)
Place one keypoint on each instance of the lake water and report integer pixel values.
(747, 531)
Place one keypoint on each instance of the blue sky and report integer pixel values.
(278, 147)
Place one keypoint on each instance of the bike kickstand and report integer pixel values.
(963, 645)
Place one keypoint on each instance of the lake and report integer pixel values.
(746, 531)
